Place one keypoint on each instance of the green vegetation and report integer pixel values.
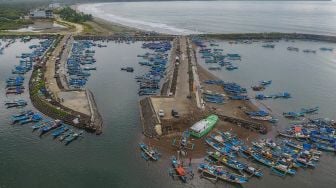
(70, 15)
(10, 17)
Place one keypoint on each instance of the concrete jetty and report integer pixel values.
(75, 107)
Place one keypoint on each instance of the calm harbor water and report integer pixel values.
(113, 158)
(317, 17)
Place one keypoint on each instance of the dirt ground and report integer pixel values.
(173, 127)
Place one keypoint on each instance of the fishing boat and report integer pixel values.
(293, 49)
(268, 45)
(309, 110)
(297, 135)
(265, 82)
(326, 147)
(90, 68)
(258, 157)
(293, 114)
(326, 49)
(41, 124)
(54, 125)
(283, 169)
(214, 68)
(258, 88)
(304, 146)
(17, 103)
(182, 172)
(128, 69)
(150, 153)
(23, 113)
(219, 173)
(309, 51)
(231, 67)
(59, 131)
(204, 126)
(33, 118)
(65, 135)
(73, 137)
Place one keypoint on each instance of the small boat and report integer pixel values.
(258, 88)
(326, 49)
(231, 67)
(59, 131)
(283, 169)
(18, 104)
(54, 125)
(268, 45)
(219, 173)
(258, 157)
(309, 51)
(23, 113)
(293, 135)
(34, 118)
(214, 68)
(309, 110)
(325, 147)
(90, 68)
(265, 82)
(181, 171)
(149, 152)
(293, 114)
(67, 134)
(41, 124)
(128, 69)
(293, 49)
(72, 137)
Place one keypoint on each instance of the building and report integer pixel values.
(54, 6)
(41, 14)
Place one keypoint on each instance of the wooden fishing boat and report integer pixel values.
(179, 170)
(219, 173)
(151, 153)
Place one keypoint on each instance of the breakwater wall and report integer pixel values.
(244, 123)
(126, 37)
(53, 108)
(149, 118)
(269, 36)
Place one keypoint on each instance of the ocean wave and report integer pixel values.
(95, 10)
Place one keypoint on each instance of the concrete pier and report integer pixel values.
(75, 107)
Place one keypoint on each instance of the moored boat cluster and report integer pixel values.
(149, 83)
(80, 62)
(16, 85)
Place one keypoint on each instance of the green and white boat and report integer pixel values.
(204, 126)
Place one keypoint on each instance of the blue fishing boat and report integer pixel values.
(15, 103)
(73, 137)
(258, 157)
(309, 110)
(54, 125)
(221, 174)
(283, 169)
(60, 131)
(66, 134)
(32, 118)
(293, 114)
(41, 124)
(149, 153)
